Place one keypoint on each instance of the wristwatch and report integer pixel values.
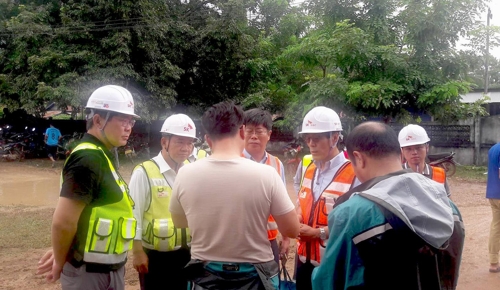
(322, 233)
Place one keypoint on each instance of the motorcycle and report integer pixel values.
(12, 152)
(137, 149)
(445, 161)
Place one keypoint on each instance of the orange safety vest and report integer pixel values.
(272, 227)
(315, 213)
(438, 174)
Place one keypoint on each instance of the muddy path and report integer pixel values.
(29, 193)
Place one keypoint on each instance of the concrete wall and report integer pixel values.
(464, 156)
(485, 132)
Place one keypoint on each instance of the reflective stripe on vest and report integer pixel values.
(438, 174)
(111, 227)
(159, 232)
(315, 213)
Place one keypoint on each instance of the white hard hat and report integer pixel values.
(179, 125)
(112, 98)
(412, 135)
(320, 120)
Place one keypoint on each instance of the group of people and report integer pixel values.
(226, 220)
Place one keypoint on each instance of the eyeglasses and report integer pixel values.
(258, 132)
(314, 138)
(126, 122)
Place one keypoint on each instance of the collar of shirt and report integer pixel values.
(162, 164)
(333, 163)
(324, 177)
(248, 156)
(426, 172)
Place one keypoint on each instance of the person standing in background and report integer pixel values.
(52, 137)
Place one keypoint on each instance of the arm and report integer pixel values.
(180, 220)
(140, 193)
(342, 266)
(288, 224)
(64, 225)
(283, 209)
(297, 178)
(176, 209)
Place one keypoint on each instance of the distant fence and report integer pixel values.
(469, 139)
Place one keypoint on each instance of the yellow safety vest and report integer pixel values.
(200, 155)
(111, 227)
(160, 232)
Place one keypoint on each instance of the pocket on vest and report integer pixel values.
(162, 234)
(101, 235)
(126, 233)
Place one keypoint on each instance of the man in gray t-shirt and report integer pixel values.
(226, 200)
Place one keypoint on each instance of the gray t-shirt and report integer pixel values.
(227, 204)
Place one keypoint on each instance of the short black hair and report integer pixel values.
(222, 120)
(375, 139)
(258, 117)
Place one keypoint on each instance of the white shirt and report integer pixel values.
(323, 177)
(141, 193)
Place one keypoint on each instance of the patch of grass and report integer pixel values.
(25, 227)
(471, 173)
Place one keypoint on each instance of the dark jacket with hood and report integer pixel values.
(399, 231)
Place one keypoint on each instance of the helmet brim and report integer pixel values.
(114, 111)
(415, 143)
(181, 135)
(317, 131)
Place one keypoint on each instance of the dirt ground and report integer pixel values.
(29, 192)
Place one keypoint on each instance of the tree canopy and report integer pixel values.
(395, 59)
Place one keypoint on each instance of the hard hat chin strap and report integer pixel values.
(170, 157)
(332, 145)
(102, 129)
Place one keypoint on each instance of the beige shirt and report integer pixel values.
(227, 204)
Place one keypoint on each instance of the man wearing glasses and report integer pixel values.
(414, 144)
(93, 224)
(258, 125)
(160, 250)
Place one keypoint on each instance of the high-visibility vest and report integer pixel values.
(111, 227)
(159, 231)
(315, 213)
(272, 227)
(438, 174)
(200, 155)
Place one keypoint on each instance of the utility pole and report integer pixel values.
(487, 54)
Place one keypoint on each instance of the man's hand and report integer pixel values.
(46, 262)
(140, 258)
(308, 233)
(284, 248)
(55, 274)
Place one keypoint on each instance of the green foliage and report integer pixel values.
(393, 59)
